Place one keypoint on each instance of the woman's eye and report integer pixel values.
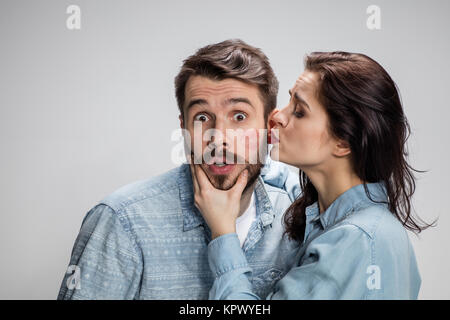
(239, 116)
(201, 117)
(298, 113)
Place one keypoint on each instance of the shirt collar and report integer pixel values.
(345, 203)
(192, 217)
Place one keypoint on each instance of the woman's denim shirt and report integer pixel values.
(356, 249)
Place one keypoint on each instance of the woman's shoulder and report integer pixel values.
(376, 220)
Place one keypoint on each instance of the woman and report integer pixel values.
(344, 128)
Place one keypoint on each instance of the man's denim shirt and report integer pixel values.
(356, 249)
(147, 240)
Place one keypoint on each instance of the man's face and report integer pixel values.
(222, 108)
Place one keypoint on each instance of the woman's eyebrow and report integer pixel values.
(299, 99)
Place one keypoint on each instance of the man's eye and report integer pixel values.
(201, 117)
(239, 116)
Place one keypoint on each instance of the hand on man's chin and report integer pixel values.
(223, 181)
(226, 182)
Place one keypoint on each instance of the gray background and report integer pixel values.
(84, 112)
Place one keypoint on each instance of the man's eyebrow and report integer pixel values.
(229, 101)
(196, 101)
(299, 99)
(238, 100)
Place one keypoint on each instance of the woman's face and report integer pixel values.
(303, 134)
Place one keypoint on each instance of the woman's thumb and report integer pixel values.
(241, 182)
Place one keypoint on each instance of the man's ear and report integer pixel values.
(342, 149)
(181, 121)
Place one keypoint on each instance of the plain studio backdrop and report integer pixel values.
(85, 111)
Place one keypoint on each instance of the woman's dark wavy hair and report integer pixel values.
(365, 110)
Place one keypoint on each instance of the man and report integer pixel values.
(147, 240)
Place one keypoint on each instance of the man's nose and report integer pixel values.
(219, 134)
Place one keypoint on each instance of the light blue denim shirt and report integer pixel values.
(356, 249)
(147, 240)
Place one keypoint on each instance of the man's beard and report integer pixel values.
(224, 182)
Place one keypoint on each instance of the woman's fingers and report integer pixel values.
(241, 182)
(194, 177)
(199, 178)
(202, 179)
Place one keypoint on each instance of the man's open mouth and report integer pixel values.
(221, 167)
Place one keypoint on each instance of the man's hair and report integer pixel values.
(230, 59)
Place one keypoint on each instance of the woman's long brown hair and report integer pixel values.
(365, 110)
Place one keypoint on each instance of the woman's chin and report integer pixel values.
(276, 155)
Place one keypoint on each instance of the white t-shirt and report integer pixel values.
(244, 221)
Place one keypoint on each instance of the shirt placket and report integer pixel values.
(265, 217)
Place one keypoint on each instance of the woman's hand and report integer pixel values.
(219, 208)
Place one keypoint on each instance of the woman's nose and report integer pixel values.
(278, 119)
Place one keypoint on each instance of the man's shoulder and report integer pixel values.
(277, 191)
(279, 198)
(150, 188)
(281, 179)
